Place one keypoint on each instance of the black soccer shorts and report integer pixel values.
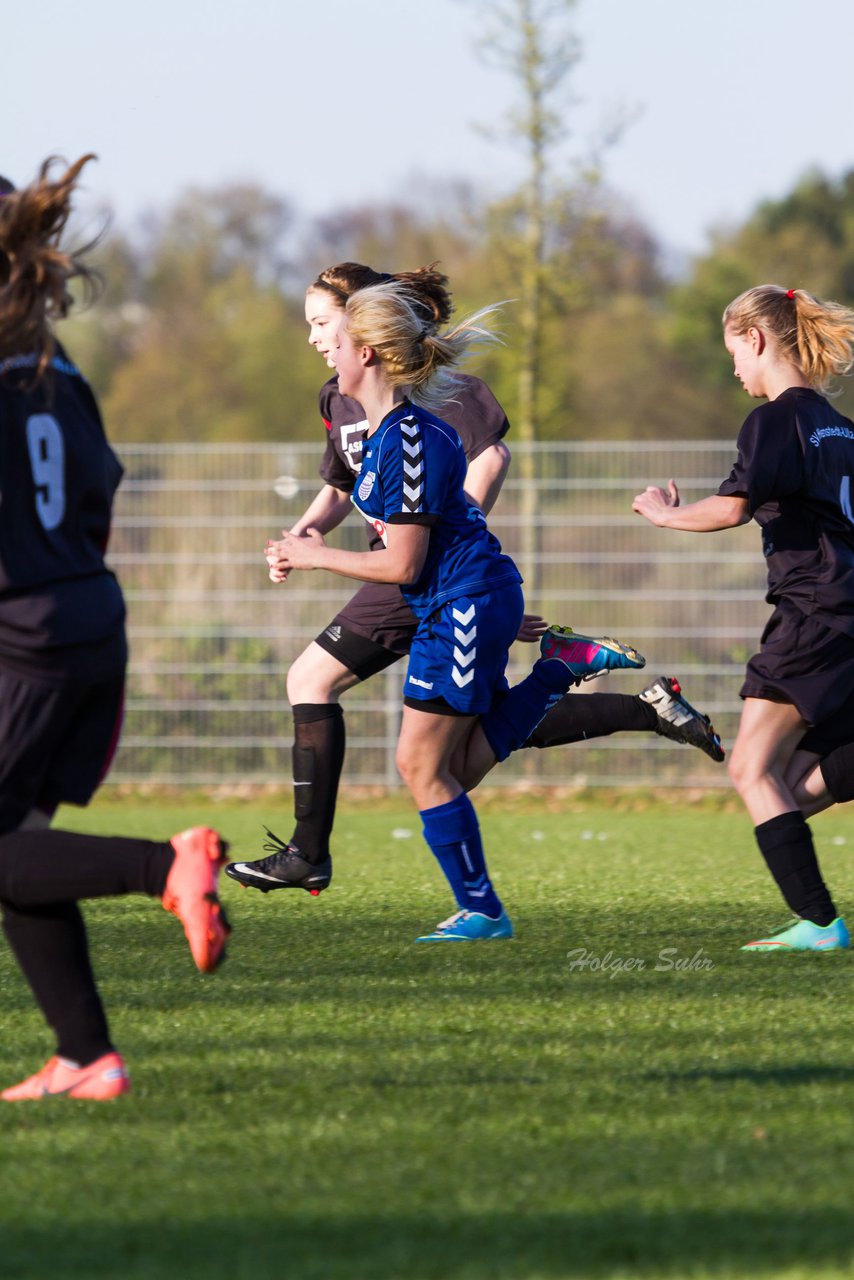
(372, 631)
(56, 741)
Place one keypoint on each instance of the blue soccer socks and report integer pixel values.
(511, 721)
(453, 833)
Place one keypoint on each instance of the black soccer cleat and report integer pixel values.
(678, 720)
(285, 868)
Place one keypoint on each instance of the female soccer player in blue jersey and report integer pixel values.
(793, 475)
(62, 663)
(458, 715)
(375, 627)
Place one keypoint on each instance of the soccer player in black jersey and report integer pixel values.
(375, 627)
(62, 662)
(793, 475)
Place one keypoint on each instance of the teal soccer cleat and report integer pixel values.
(805, 936)
(585, 657)
(470, 926)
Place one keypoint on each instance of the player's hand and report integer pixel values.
(532, 628)
(278, 574)
(654, 502)
(292, 552)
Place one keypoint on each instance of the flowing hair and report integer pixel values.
(817, 336)
(35, 270)
(390, 319)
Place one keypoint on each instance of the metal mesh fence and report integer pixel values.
(211, 637)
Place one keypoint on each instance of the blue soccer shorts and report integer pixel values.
(459, 653)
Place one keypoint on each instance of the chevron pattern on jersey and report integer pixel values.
(465, 646)
(413, 466)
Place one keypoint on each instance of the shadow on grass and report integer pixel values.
(805, 1073)
(446, 1245)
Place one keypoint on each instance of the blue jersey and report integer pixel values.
(795, 467)
(412, 472)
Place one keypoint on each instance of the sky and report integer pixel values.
(337, 103)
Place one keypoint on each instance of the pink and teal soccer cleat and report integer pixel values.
(101, 1080)
(805, 936)
(585, 657)
(470, 926)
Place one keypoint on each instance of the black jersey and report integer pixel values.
(473, 412)
(58, 476)
(795, 467)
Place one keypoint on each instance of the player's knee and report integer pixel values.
(742, 772)
(303, 687)
(309, 681)
(416, 768)
(405, 761)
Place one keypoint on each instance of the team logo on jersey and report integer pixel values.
(366, 485)
(822, 433)
(353, 443)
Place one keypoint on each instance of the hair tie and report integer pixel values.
(425, 333)
(790, 293)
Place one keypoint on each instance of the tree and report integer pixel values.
(805, 240)
(532, 42)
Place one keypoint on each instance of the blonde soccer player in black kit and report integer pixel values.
(794, 475)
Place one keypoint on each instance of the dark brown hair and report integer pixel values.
(427, 287)
(35, 270)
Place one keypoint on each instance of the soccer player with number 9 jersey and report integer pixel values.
(62, 665)
(62, 636)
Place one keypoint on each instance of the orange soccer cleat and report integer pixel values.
(191, 894)
(99, 1081)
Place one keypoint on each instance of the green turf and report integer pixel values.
(337, 1102)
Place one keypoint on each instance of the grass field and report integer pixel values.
(337, 1102)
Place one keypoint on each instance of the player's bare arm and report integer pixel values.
(325, 512)
(485, 475)
(662, 508)
(400, 561)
